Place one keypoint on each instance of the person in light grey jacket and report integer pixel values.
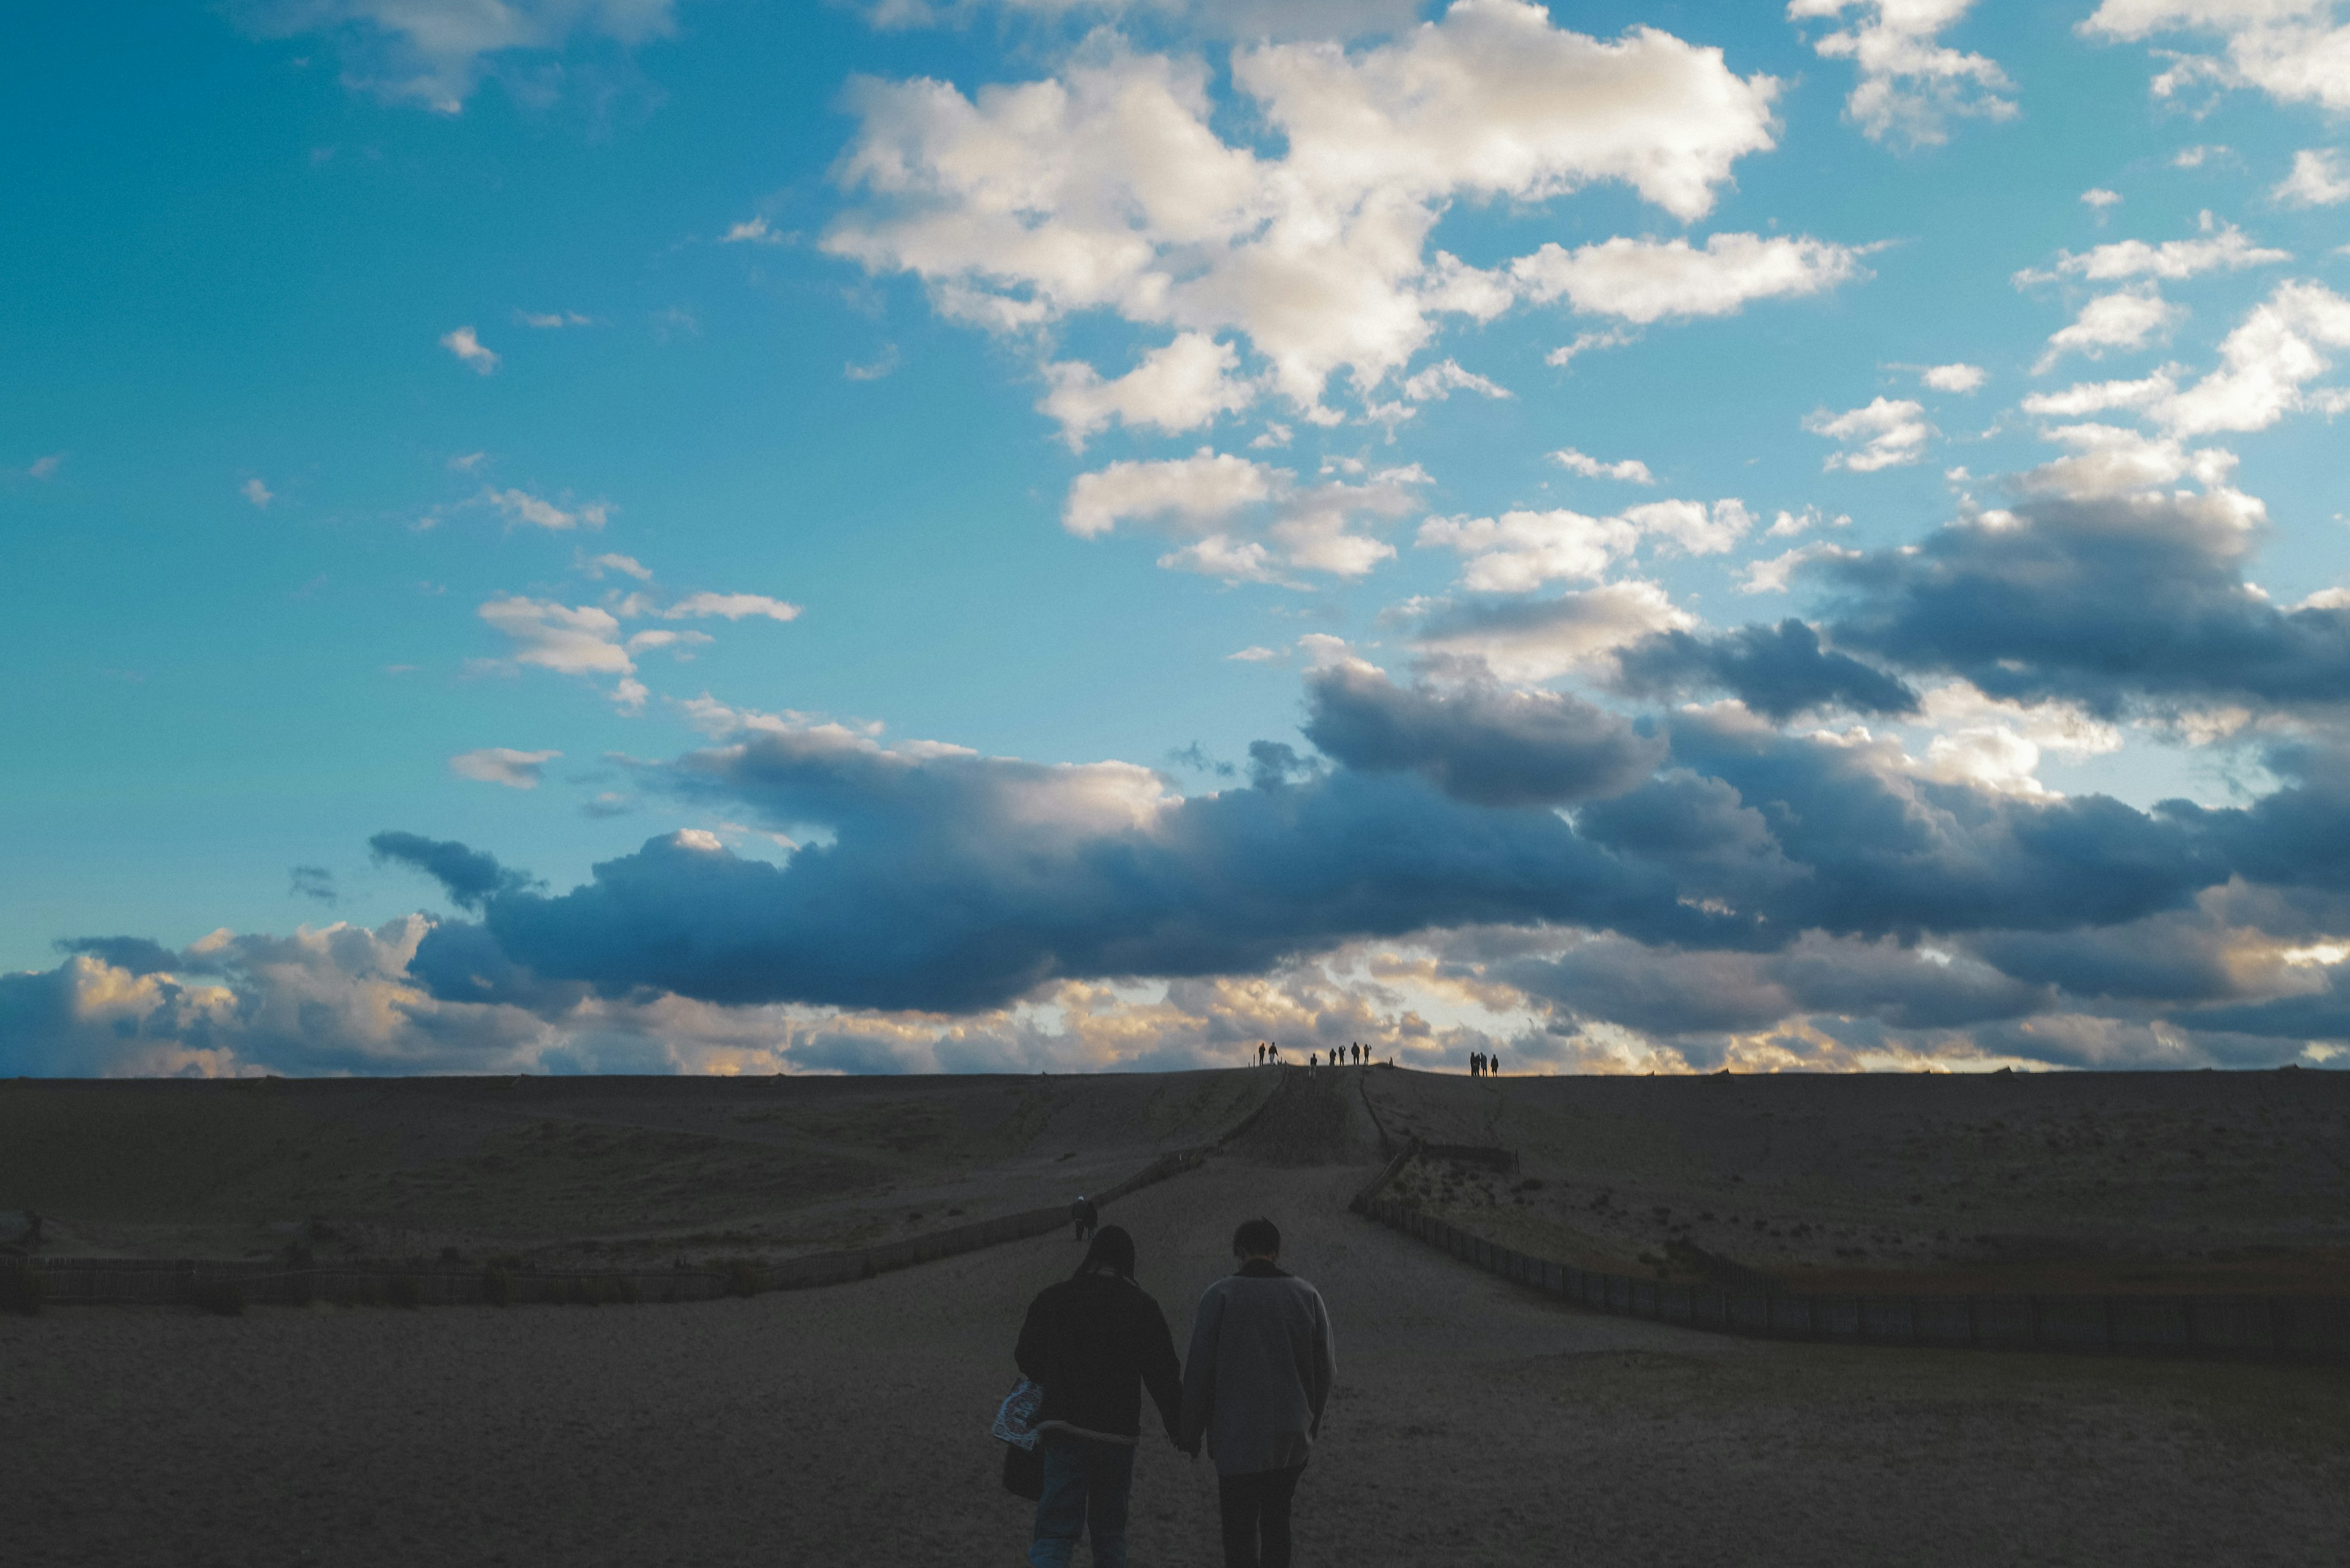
(1255, 1384)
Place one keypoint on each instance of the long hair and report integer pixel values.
(1113, 1250)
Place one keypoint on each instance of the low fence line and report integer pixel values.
(2295, 1328)
(95, 1282)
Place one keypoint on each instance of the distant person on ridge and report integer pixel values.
(1255, 1384)
(1093, 1343)
(1084, 1215)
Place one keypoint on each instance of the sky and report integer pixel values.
(908, 535)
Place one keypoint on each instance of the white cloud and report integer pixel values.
(1630, 470)
(255, 491)
(2223, 248)
(1107, 189)
(1642, 281)
(875, 369)
(1788, 525)
(1995, 744)
(2112, 460)
(1442, 379)
(435, 52)
(1240, 520)
(521, 506)
(1890, 433)
(468, 348)
(502, 765)
(2319, 179)
(1274, 434)
(1958, 377)
(1252, 655)
(1179, 386)
(2099, 198)
(1544, 639)
(1185, 495)
(628, 565)
(466, 462)
(663, 637)
(584, 640)
(2129, 319)
(2095, 396)
(1613, 337)
(751, 232)
(2196, 157)
(1690, 527)
(1773, 575)
(732, 606)
(1909, 84)
(550, 319)
(1521, 550)
(2293, 50)
(2267, 364)
(45, 467)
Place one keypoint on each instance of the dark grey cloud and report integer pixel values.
(1818, 832)
(313, 882)
(139, 955)
(1670, 993)
(467, 876)
(2109, 602)
(1779, 671)
(953, 882)
(1480, 742)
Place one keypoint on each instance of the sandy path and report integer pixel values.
(1474, 1424)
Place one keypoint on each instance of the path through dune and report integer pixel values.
(1474, 1423)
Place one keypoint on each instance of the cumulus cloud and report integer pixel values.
(1179, 387)
(1630, 470)
(468, 348)
(502, 765)
(1242, 520)
(2319, 179)
(2266, 365)
(583, 639)
(434, 52)
(1778, 671)
(2126, 320)
(1108, 189)
(1956, 378)
(521, 506)
(1479, 742)
(2097, 199)
(1645, 281)
(1526, 641)
(1445, 378)
(2223, 248)
(550, 320)
(750, 231)
(1910, 84)
(731, 606)
(2296, 51)
(1888, 433)
(1521, 550)
(255, 491)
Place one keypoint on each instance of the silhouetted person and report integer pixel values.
(1084, 1215)
(1260, 1053)
(1255, 1384)
(1094, 1342)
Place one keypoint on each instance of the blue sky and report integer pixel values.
(1806, 538)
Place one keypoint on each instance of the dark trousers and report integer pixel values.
(1087, 1486)
(1255, 1508)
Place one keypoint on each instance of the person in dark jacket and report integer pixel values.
(1255, 1386)
(1084, 1215)
(1093, 1343)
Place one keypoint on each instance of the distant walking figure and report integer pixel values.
(1093, 1343)
(1475, 1061)
(1084, 1216)
(1260, 1053)
(1492, 1064)
(1255, 1384)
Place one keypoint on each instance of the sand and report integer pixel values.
(1474, 1423)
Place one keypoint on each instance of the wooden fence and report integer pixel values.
(88, 1281)
(2297, 1328)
